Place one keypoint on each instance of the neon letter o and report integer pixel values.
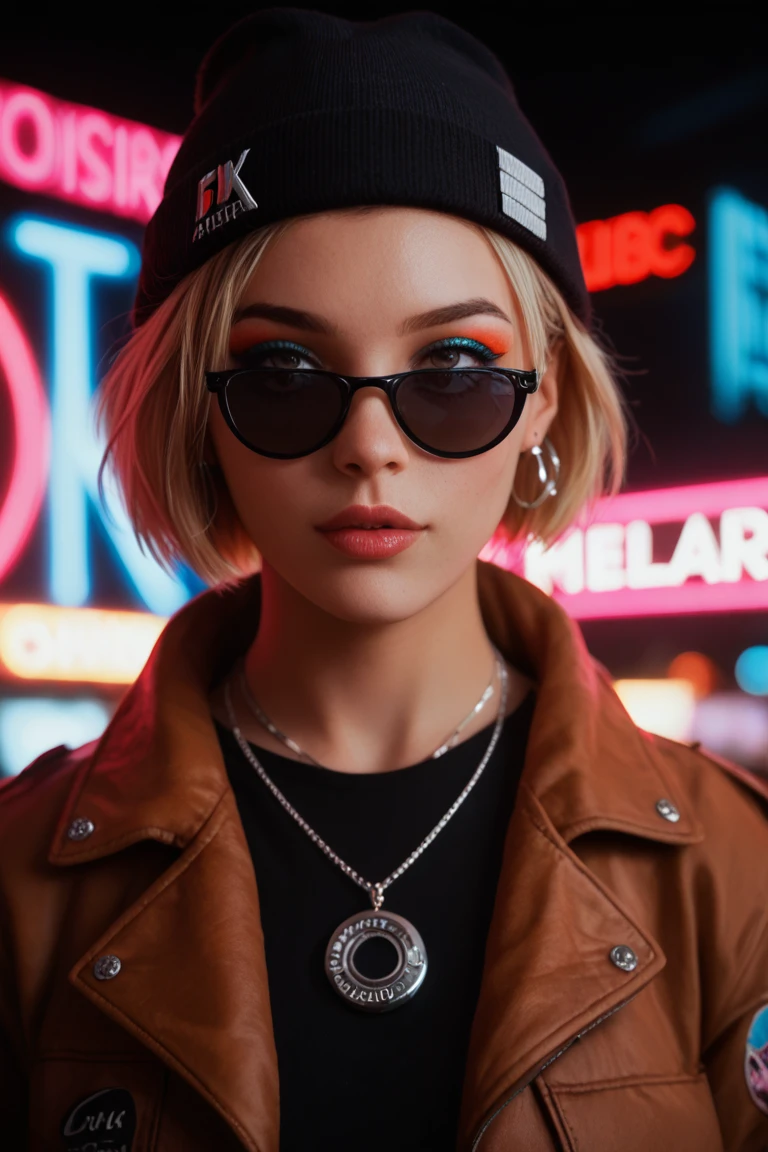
(31, 425)
(35, 169)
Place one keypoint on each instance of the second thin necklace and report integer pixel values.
(398, 986)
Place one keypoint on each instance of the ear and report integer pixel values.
(542, 406)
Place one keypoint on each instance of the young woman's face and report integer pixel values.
(362, 282)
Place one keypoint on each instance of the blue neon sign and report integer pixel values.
(75, 258)
(738, 271)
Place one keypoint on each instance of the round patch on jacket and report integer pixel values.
(102, 1122)
(756, 1059)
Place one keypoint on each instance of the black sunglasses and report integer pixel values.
(286, 413)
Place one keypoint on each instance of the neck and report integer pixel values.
(369, 696)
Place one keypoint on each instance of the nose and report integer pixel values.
(370, 438)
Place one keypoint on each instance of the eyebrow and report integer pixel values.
(283, 315)
(478, 306)
(308, 322)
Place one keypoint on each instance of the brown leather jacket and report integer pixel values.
(568, 1050)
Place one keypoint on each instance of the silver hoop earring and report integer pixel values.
(549, 481)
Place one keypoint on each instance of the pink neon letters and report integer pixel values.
(32, 439)
(609, 565)
(81, 154)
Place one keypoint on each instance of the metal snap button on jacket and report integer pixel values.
(80, 829)
(623, 958)
(667, 809)
(107, 967)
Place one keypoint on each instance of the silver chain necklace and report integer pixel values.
(375, 994)
(262, 717)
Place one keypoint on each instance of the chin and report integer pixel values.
(384, 592)
(364, 594)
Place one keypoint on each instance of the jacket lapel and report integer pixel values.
(548, 976)
(192, 986)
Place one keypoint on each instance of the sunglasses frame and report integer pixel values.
(525, 381)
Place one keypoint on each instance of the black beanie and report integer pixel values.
(300, 112)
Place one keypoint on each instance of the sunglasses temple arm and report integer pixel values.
(216, 381)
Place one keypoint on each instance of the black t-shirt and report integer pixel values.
(351, 1079)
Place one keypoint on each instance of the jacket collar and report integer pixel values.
(158, 773)
(587, 763)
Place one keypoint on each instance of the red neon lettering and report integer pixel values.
(595, 252)
(81, 154)
(31, 430)
(94, 139)
(635, 245)
(671, 221)
(631, 237)
(145, 161)
(27, 138)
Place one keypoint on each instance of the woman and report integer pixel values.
(371, 854)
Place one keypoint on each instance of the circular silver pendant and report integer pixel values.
(386, 992)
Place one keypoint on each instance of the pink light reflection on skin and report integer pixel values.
(32, 430)
(660, 506)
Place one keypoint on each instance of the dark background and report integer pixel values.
(632, 120)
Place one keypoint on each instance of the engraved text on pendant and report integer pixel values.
(383, 993)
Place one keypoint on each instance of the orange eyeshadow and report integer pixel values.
(496, 341)
(246, 334)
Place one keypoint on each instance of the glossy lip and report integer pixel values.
(361, 516)
(371, 543)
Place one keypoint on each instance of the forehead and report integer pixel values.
(380, 264)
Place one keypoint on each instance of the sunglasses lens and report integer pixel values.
(283, 413)
(458, 411)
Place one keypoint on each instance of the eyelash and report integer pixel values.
(273, 346)
(466, 343)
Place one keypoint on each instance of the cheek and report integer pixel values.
(476, 493)
(495, 470)
(243, 471)
(235, 460)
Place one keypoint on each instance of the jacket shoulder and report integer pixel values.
(754, 782)
(31, 803)
(717, 788)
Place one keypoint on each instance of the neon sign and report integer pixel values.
(43, 642)
(716, 553)
(72, 258)
(31, 435)
(610, 567)
(81, 154)
(635, 245)
(738, 236)
(114, 165)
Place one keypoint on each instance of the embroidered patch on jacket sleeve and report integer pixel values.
(522, 194)
(756, 1059)
(106, 1120)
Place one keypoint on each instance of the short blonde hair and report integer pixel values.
(153, 408)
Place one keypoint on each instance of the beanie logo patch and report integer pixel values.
(215, 190)
(522, 194)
